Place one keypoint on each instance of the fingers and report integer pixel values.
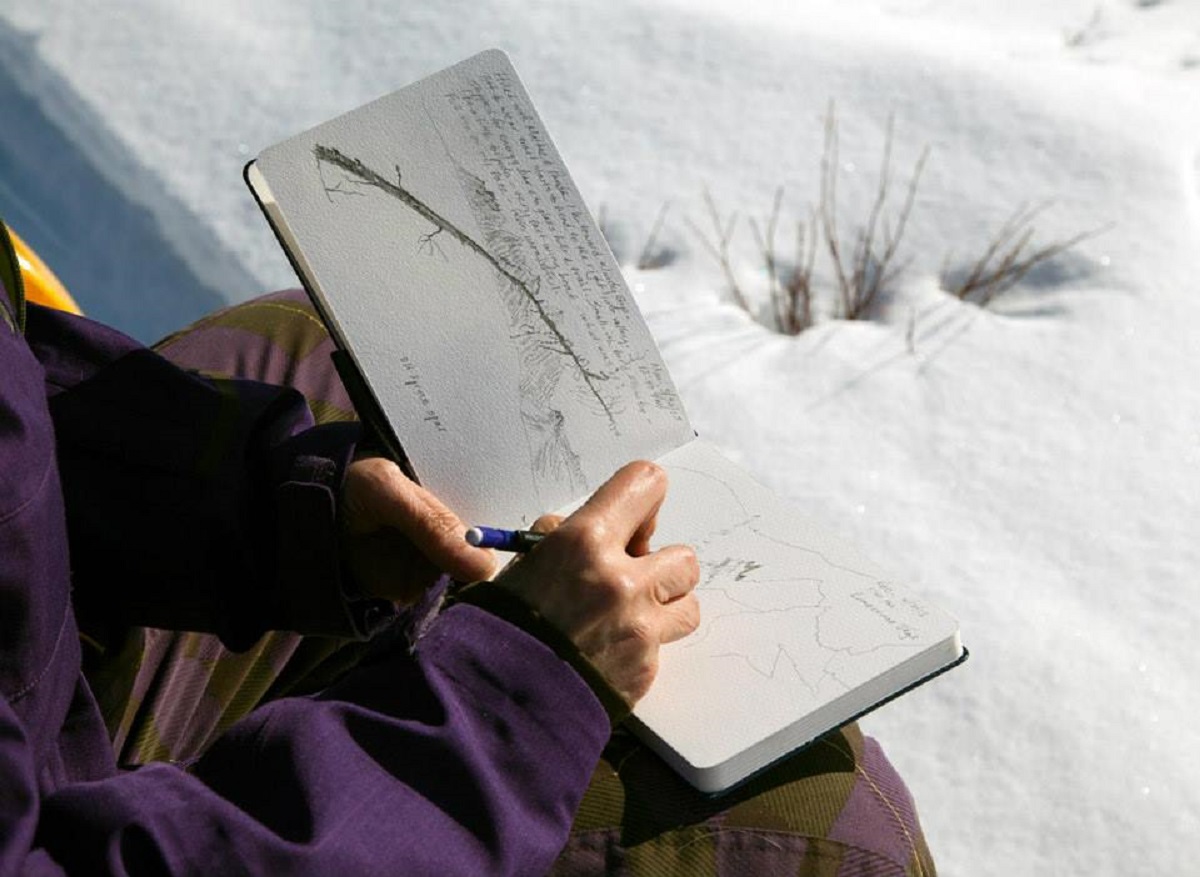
(673, 572)
(547, 523)
(639, 543)
(680, 618)
(627, 504)
(396, 502)
(595, 579)
(438, 533)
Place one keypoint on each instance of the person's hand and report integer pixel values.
(596, 580)
(397, 537)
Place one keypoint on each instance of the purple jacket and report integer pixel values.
(135, 493)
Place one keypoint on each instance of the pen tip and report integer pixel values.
(474, 536)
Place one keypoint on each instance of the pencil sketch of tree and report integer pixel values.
(541, 370)
(541, 346)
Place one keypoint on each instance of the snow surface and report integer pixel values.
(1033, 466)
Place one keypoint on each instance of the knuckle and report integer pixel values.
(683, 571)
(383, 474)
(618, 587)
(594, 537)
(684, 619)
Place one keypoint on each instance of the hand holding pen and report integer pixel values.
(595, 578)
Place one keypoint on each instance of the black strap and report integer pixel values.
(12, 303)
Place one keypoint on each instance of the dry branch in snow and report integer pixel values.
(863, 274)
(1005, 262)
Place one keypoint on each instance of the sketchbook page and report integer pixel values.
(456, 260)
(799, 632)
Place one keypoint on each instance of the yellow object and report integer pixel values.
(41, 286)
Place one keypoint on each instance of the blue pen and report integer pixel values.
(505, 540)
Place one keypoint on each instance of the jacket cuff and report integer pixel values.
(501, 602)
(313, 592)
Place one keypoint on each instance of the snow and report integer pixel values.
(1033, 466)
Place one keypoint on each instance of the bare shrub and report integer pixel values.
(652, 255)
(1086, 34)
(796, 300)
(790, 292)
(861, 274)
(718, 246)
(1005, 261)
(872, 264)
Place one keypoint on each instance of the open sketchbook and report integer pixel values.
(447, 248)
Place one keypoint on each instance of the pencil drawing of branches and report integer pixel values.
(364, 175)
(428, 244)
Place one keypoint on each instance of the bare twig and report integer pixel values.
(791, 301)
(719, 246)
(828, 205)
(892, 241)
(872, 265)
(861, 274)
(651, 257)
(1004, 262)
(766, 246)
(798, 288)
(1086, 34)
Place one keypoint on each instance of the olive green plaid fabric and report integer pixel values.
(166, 695)
(836, 808)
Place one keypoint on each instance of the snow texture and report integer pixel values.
(1033, 466)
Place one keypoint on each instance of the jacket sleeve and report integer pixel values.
(466, 753)
(467, 756)
(194, 503)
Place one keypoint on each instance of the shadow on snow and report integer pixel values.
(118, 257)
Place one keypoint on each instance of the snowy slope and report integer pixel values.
(1035, 466)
